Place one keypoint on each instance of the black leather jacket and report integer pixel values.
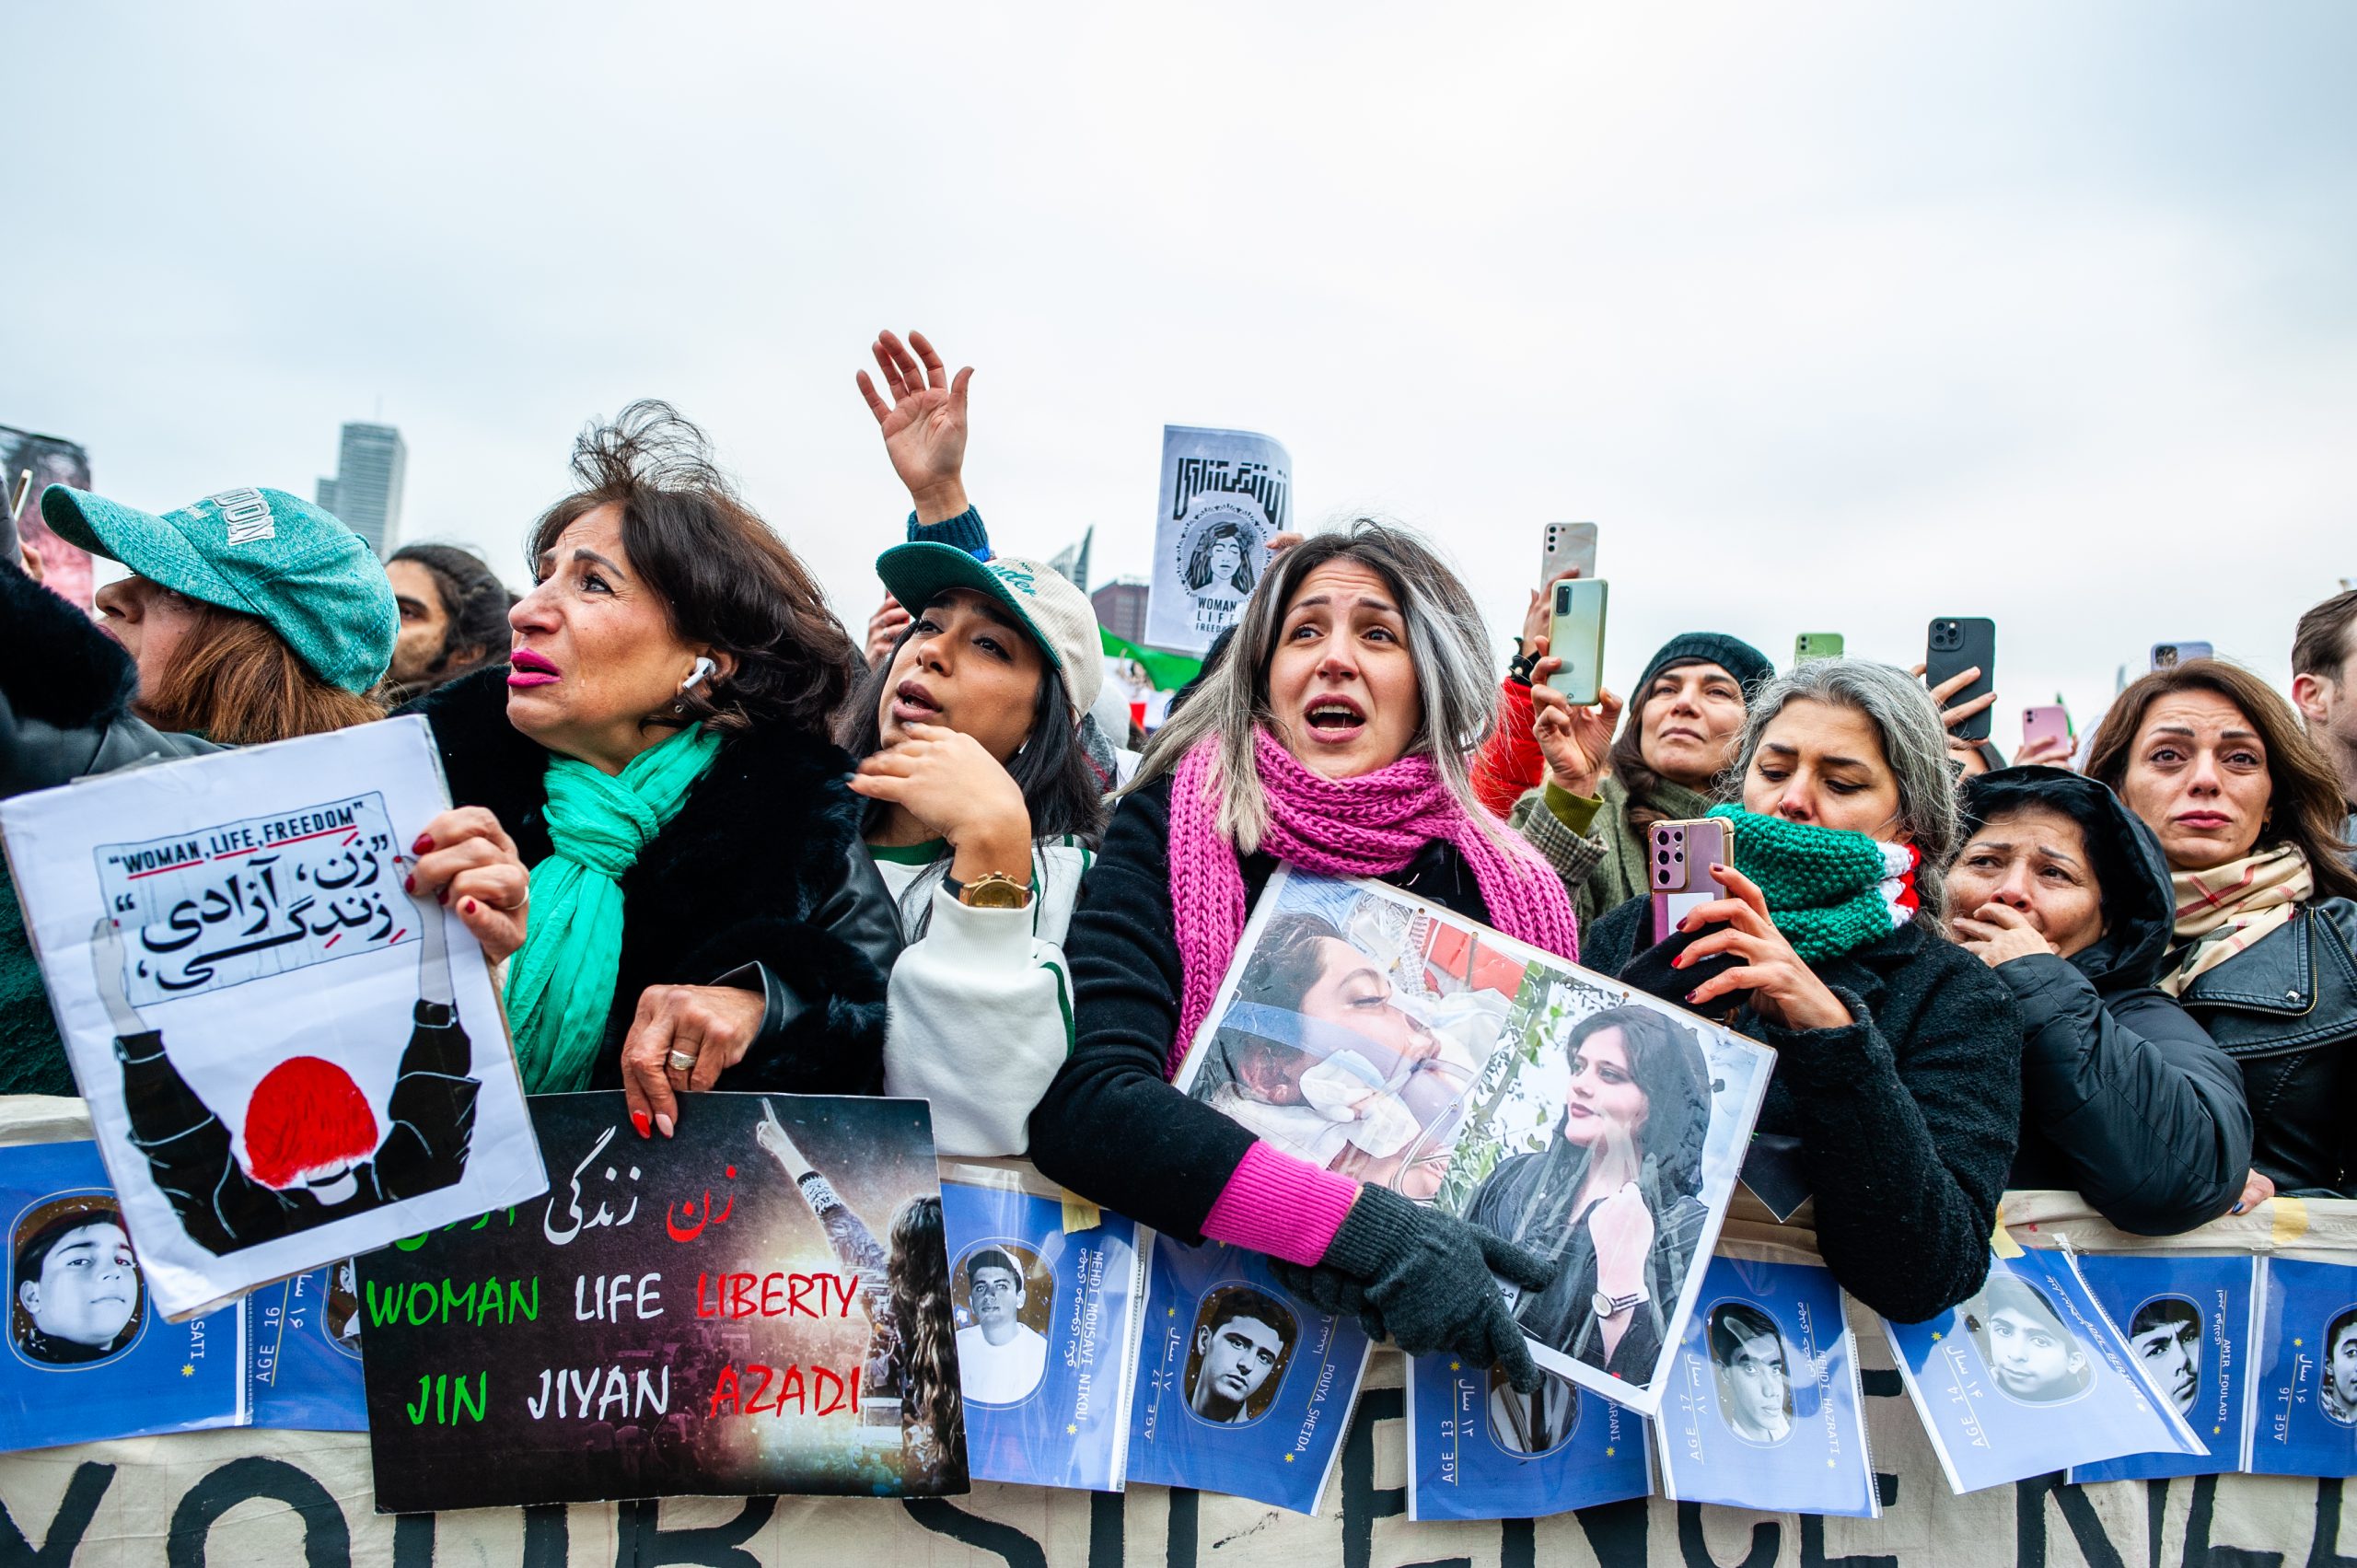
(2285, 1009)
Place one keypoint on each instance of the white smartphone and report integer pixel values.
(1569, 546)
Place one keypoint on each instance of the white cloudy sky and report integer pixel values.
(1835, 318)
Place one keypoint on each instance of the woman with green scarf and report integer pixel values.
(1897, 1098)
(654, 830)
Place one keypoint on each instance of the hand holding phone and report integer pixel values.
(1958, 645)
(1575, 635)
(1679, 859)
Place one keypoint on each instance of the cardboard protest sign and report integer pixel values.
(1224, 494)
(1047, 1327)
(303, 1352)
(288, 1058)
(1478, 1450)
(1768, 1411)
(1242, 1387)
(2304, 1387)
(2027, 1375)
(88, 1355)
(759, 1305)
(2190, 1321)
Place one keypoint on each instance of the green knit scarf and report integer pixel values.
(561, 982)
(1827, 890)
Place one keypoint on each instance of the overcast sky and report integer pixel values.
(1834, 317)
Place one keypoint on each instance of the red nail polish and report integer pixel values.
(409, 884)
(442, 895)
(1693, 993)
(638, 1119)
(425, 844)
(467, 906)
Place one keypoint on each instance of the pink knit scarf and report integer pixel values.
(1360, 827)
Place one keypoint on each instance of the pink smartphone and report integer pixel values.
(2048, 721)
(1680, 860)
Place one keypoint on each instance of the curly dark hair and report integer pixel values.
(917, 1272)
(725, 577)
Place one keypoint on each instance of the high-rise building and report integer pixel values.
(366, 493)
(1072, 561)
(1120, 608)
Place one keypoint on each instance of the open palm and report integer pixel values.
(925, 424)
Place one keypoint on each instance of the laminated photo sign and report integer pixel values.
(1047, 1323)
(1224, 494)
(89, 1356)
(759, 1305)
(1478, 1449)
(288, 1058)
(2303, 1384)
(303, 1352)
(2190, 1321)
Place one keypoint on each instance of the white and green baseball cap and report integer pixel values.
(262, 552)
(1042, 599)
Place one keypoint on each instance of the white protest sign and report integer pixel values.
(1225, 493)
(289, 1058)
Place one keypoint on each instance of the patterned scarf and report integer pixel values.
(1827, 890)
(2224, 910)
(1360, 827)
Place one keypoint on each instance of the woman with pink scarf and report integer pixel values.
(1334, 736)
(2248, 813)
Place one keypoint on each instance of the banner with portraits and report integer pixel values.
(303, 1352)
(2190, 1323)
(288, 1058)
(1226, 493)
(1478, 1448)
(1047, 1321)
(1392, 1040)
(2028, 1375)
(2303, 1383)
(89, 1355)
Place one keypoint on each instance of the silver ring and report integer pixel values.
(682, 1062)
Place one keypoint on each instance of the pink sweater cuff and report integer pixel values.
(1280, 1205)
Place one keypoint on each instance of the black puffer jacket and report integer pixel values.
(763, 865)
(1906, 1118)
(2125, 1099)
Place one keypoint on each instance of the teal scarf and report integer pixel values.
(562, 981)
(1827, 890)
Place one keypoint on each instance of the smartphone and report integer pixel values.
(1570, 546)
(2048, 721)
(1678, 858)
(1811, 645)
(1575, 635)
(1956, 645)
(2168, 655)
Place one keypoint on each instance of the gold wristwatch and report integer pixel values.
(992, 890)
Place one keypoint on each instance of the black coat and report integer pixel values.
(1906, 1117)
(1109, 1127)
(2125, 1098)
(763, 865)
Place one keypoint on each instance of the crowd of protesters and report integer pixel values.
(717, 843)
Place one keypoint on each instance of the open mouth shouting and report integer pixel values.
(1333, 719)
(913, 703)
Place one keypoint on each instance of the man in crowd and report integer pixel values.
(454, 617)
(1239, 1350)
(1750, 1357)
(2324, 687)
(999, 1359)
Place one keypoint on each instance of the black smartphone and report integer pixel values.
(1958, 642)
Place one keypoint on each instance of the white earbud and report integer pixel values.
(704, 670)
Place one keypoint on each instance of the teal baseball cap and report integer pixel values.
(262, 552)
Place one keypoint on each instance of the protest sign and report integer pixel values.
(2304, 1389)
(2189, 1320)
(1767, 1411)
(1224, 494)
(2027, 1375)
(1477, 1449)
(1242, 1387)
(1047, 1327)
(288, 1058)
(88, 1355)
(303, 1352)
(758, 1304)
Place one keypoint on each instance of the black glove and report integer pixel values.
(1422, 1280)
(1652, 969)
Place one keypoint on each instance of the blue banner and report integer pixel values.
(1478, 1450)
(303, 1352)
(2188, 1321)
(2305, 1386)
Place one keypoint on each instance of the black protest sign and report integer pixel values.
(748, 1307)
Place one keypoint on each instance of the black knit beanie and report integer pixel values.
(1746, 664)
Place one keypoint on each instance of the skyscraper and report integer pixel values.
(365, 494)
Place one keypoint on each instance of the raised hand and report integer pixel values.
(884, 629)
(1967, 752)
(106, 965)
(1576, 741)
(1541, 612)
(925, 424)
(1783, 989)
(2046, 751)
(1622, 1226)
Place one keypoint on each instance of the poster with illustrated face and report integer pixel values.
(2188, 1319)
(2304, 1381)
(89, 1356)
(758, 1304)
(65, 568)
(1478, 1449)
(1392, 1040)
(303, 1352)
(1047, 1321)
(1766, 1410)
(1224, 494)
(288, 1058)
(2027, 1375)
(1242, 1387)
